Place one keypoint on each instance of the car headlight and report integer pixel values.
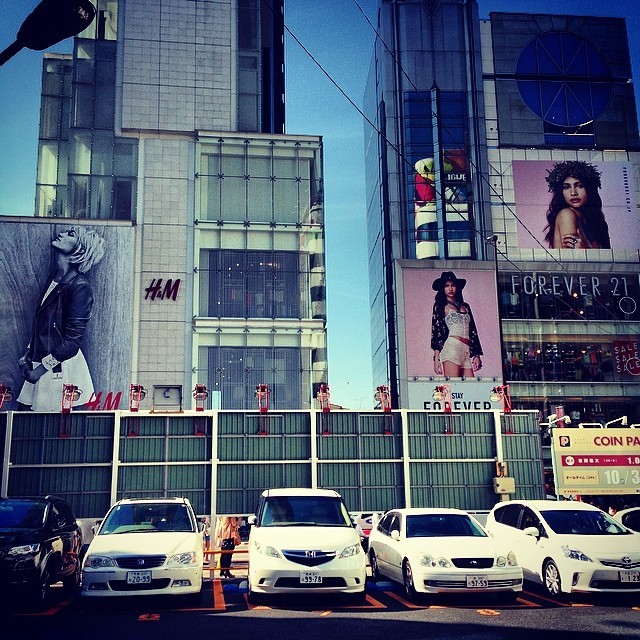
(508, 560)
(25, 550)
(429, 561)
(266, 550)
(98, 562)
(183, 558)
(352, 550)
(575, 554)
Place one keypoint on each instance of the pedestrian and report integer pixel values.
(206, 533)
(226, 538)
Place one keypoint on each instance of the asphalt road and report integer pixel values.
(222, 610)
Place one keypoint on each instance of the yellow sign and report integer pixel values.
(596, 461)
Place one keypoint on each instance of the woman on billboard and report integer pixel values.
(54, 356)
(454, 337)
(575, 219)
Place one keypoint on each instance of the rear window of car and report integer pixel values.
(304, 511)
(578, 522)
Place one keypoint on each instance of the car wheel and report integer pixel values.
(253, 598)
(41, 591)
(71, 584)
(373, 562)
(407, 581)
(552, 579)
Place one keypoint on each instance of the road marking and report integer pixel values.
(149, 617)
(556, 602)
(406, 603)
(488, 612)
(219, 603)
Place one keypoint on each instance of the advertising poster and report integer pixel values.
(66, 290)
(592, 209)
(596, 461)
(452, 336)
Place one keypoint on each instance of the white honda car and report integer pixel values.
(303, 541)
(145, 547)
(568, 545)
(434, 550)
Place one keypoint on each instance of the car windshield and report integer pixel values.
(22, 514)
(442, 524)
(147, 517)
(584, 523)
(294, 511)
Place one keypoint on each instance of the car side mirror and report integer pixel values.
(251, 520)
(531, 531)
(395, 534)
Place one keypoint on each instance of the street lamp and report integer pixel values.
(623, 421)
(493, 241)
(49, 23)
(5, 394)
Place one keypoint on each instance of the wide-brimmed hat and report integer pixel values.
(448, 276)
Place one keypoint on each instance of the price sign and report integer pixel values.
(596, 461)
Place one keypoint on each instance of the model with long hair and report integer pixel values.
(575, 219)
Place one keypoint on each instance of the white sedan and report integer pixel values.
(439, 551)
(145, 547)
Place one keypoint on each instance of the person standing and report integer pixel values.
(226, 538)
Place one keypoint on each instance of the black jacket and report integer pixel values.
(61, 320)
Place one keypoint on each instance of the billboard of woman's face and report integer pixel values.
(575, 205)
(451, 323)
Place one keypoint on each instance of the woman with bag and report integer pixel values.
(227, 537)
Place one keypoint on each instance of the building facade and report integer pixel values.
(476, 122)
(169, 117)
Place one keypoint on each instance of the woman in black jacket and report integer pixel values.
(54, 356)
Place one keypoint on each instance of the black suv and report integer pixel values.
(40, 544)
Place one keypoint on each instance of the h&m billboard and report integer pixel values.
(66, 288)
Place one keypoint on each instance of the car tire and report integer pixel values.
(407, 581)
(373, 563)
(41, 590)
(551, 579)
(253, 598)
(71, 584)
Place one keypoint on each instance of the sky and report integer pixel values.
(337, 35)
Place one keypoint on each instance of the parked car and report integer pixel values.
(40, 544)
(568, 545)
(150, 546)
(303, 540)
(630, 518)
(435, 550)
(363, 523)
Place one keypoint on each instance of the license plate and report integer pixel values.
(477, 581)
(310, 577)
(630, 576)
(138, 577)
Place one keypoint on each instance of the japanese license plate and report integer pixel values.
(477, 581)
(629, 576)
(138, 577)
(310, 577)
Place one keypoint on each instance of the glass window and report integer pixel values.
(234, 372)
(252, 284)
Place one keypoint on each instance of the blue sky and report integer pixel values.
(337, 34)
